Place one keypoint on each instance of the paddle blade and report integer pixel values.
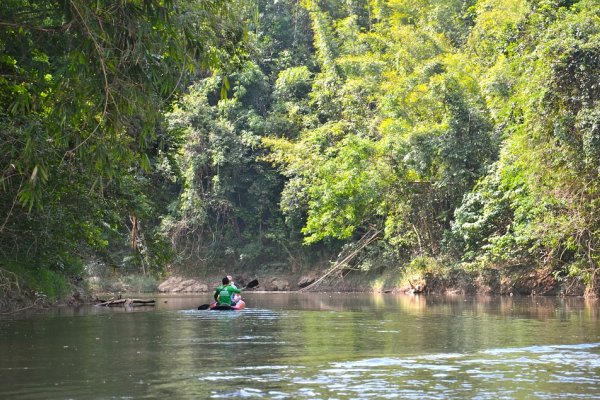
(251, 284)
(203, 307)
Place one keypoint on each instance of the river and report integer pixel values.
(307, 346)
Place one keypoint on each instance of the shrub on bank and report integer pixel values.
(130, 283)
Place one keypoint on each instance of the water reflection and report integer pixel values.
(313, 345)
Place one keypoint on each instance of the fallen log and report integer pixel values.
(417, 289)
(127, 303)
(341, 264)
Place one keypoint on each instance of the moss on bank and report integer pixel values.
(25, 288)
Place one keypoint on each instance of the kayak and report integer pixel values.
(240, 305)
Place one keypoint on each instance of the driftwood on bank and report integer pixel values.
(418, 289)
(343, 263)
(127, 303)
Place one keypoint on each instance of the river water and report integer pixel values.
(308, 346)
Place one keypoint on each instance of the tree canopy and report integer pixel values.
(211, 133)
(83, 89)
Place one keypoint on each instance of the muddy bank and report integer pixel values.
(519, 282)
(516, 281)
(178, 284)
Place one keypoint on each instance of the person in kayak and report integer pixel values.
(223, 292)
(235, 297)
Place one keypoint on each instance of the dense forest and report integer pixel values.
(430, 136)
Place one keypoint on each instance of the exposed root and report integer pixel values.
(13, 297)
(37, 303)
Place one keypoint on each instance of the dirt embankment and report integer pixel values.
(519, 282)
(16, 296)
(279, 282)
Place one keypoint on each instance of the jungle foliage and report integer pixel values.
(83, 89)
(466, 131)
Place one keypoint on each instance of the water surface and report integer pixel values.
(312, 346)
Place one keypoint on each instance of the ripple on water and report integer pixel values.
(538, 371)
(543, 349)
(257, 314)
(239, 394)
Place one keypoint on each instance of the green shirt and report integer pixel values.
(223, 294)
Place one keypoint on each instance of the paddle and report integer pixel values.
(250, 285)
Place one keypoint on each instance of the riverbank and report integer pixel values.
(420, 277)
